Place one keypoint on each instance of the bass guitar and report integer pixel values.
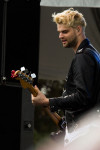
(26, 81)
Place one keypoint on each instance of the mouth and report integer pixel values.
(64, 41)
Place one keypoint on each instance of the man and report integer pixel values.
(81, 89)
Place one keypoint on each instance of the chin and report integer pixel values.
(64, 46)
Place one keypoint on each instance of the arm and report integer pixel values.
(83, 75)
(40, 99)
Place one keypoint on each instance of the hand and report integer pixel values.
(40, 99)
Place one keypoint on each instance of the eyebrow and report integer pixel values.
(63, 31)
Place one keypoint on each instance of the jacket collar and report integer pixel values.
(83, 44)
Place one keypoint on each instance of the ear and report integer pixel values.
(79, 29)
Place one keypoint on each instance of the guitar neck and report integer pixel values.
(53, 115)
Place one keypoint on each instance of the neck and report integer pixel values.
(79, 41)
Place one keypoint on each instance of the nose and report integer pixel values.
(60, 35)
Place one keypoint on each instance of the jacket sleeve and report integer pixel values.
(83, 68)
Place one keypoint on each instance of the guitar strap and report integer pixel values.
(96, 55)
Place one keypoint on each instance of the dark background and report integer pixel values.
(19, 42)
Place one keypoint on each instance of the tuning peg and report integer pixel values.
(26, 71)
(22, 69)
(33, 75)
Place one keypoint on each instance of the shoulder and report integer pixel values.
(83, 56)
(90, 51)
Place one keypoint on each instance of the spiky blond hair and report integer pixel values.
(69, 17)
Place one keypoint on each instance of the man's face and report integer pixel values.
(67, 36)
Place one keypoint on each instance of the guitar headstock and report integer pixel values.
(22, 75)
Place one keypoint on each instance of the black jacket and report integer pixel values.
(82, 83)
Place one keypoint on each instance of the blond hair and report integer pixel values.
(69, 17)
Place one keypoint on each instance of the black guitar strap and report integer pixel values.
(96, 56)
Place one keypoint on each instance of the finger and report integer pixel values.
(32, 96)
(37, 88)
(32, 102)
